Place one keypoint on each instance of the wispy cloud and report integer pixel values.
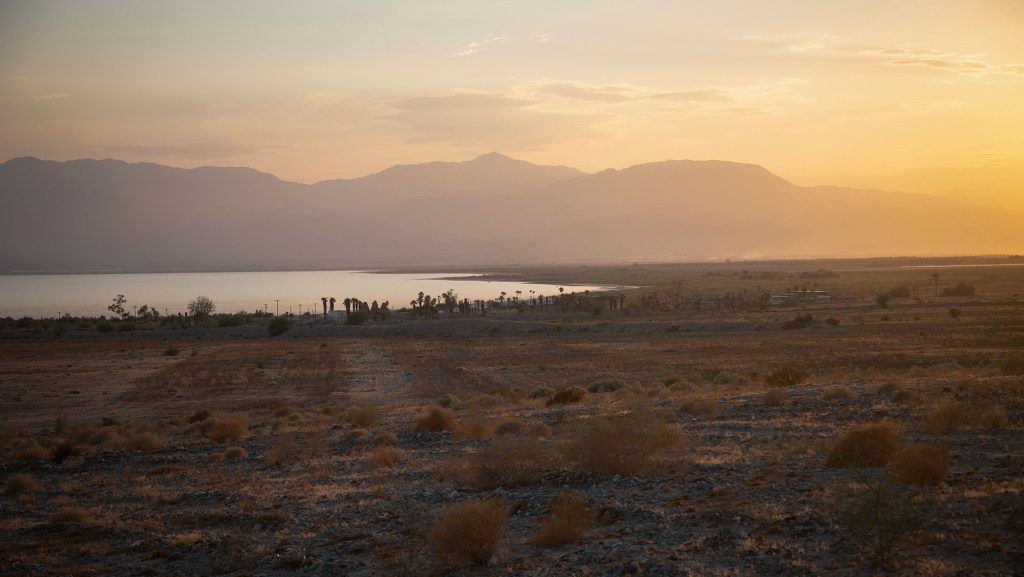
(480, 45)
(965, 64)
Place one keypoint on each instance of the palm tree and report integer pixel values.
(348, 306)
(332, 304)
(324, 300)
(936, 277)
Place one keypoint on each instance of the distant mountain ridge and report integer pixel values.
(108, 214)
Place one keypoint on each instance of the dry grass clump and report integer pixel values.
(993, 418)
(102, 436)
(540, 393)
(568, 521)
(21, 483)
(628, 445)
(945, 416)
(73, 516)
(234, 453)
(468, 533)
(568, 396)
(143, 443)
(787, 376)
(922, 464)
(64, 451)
(702, 407)
(506, 462)
(30, 450)
(363, 415)
(867, 446)
(282, 452)
(836, 394)
(776, 397)
(474, 430)
(199, 416)
(436, 420)
(385, 456)
(229, 430)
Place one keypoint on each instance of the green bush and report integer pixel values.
(105, 326)
(278, 325)
(127, 326)
(357, 318)
(235, 320)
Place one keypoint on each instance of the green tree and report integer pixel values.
(201, 307)
(118, 306)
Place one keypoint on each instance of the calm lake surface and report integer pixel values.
(89, 294)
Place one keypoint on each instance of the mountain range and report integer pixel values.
(84, 215)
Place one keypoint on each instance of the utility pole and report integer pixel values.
(277, 303)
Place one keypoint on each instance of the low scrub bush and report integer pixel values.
(437, 419)
(568, 521)
(468, 533)
(105, 326)
(922, 464)
(200, 415)
(235, 320)
(703, 407)
(21, 483)
(867, 446)
(540, 393)
(385, 438)
(363, 415)
(473, 430)
(385, 456)
(31, 450)
(787, 376)
(507, 462)
(172, 351)
(629, 445)
(606, 385)
(945, 416)
(235, 453)
(357, 318)
(993, 418)
(229, 430)
(880, 516)
(776, 397)
(145, 442)
(278, 325)
(449, 402)
(960, 290)
(64, 451)
(568, 396)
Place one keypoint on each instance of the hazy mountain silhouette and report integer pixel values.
(107, 214)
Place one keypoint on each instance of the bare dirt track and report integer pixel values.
(305, 490)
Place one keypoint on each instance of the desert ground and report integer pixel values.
(841, 437)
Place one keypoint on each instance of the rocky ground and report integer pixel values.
(303, 487)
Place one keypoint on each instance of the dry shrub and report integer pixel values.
(21, 483)
(887, 388)
(468, 533)
(282, 452)
(233, 453)
(333, 411)
(474, 430)
(73, 516)
(363, 415)
(787, 376)
(703, 407)
(385, 438)
(359, 435)
(385, 456)
(31, 450)
(540, 393)
(506, 462)
(513, 428)
(102, 436)
(946, 416)
(836, 394)
(229, 430)
(903, 396)
(200, 415)
(64, 451)
(568, 521)
(881, 516)
(143, 443)
(568, 396)
(867, 446)
(776, 397)
(993, 418)
(921, 464)
(436, 420)
(629, 445)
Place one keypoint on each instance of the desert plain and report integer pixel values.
(847, 435)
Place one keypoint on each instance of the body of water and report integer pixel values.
(41, 296)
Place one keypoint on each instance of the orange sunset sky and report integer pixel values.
(919, 96)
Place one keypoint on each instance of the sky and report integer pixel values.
(918, 96)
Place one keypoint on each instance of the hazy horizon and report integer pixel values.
(914, 96)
